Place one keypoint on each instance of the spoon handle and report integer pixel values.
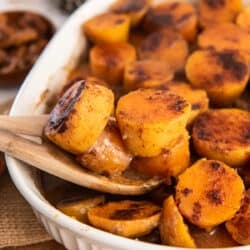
(27, 125)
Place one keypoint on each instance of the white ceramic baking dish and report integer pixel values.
(45, 79)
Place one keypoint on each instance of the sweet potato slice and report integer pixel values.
(78, 209)
(126, 218)
(209, 193)
(108, 155)
(151, 120)
(216, 12)
(107, 61)
(226, 36)
(134, 9)
(243, 19)
(223, 134)
(146, 74)
(108, 28)
(80, 116)
(175, 15)
(167, 46)
(170, 163)
(239, 225)
(173, 230)
(223, 74)
(196, 97)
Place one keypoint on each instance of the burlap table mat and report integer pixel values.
(18, 224)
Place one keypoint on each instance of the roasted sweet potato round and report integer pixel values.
(108, 28)
(80, 116)
(167, 46)
(151, 120)
(107, 61)
(108, 155)
(214, 12)
(173, 230)
(126, 218)
(170, 163)
(223, 134)
(209, 193)
(146, 74)
(174, 15)
(223, 74)
(239, 225)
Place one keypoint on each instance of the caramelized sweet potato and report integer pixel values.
(146, 74)
(243, 19)
(223, 134)
(78, 209)
(214, 12)
(226, 36)
(108, 155)
(80, 116)
(108, 28)
(134, 9)
(173, 230)
(239, 225)
(170, 163)
(196, 97)
(209, 193)
(223, 74)
(151, 120)
(167, 46)
(107, 61)
(174, 15)
(126, 218)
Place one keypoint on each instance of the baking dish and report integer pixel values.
(44, 81)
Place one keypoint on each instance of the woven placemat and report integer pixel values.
(18, 224)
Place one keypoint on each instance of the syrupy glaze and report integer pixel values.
(58, 191)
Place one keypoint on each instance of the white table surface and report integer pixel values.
(45, 7)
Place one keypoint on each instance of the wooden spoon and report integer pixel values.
(49, 158)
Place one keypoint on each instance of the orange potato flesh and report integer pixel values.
(214, 12)
(209, 193)
(173, 15)
(134, 9)
(173, 230)
(167, 46)
(226, 36)
(170, 163)
(243, 19)
(108, 28)
(80, 116)
(151, 120)
(107, 61)
(78, 209)
(224, 79)
(196, 97)
(223, 134)
(126, 218)
(108, 155)
(146, 74)
(239, 225)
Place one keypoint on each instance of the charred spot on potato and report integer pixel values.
(152, 42)
(184, 17)
(215, 165)
(119, 21)
(196, 106)
(229, 62)
(187, 191)
(214, 196)
(60, 113)
(215, 4)
(196, 212)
